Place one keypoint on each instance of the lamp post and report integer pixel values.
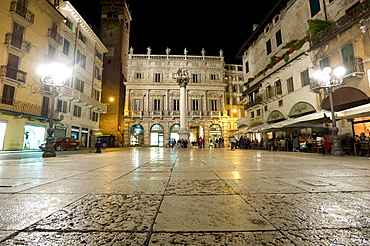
(182, 79)
(328, 79)
(53, 75)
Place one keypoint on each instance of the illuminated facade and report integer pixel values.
(279, 60)
(115, 34)
(38, 32)
(152, 114)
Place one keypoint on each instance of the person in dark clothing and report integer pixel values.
(98, 146)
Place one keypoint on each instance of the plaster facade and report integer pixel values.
(36, 32)
(280, 58)
(152, 98)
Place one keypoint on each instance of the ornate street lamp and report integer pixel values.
(328, 79)
(182, 79)
(53, 75)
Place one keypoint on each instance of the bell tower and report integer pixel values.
(114, 33)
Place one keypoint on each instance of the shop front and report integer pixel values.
(157, 136)
(75, 132)
(60, 131)
(137, 135)
(84, 136)
(174, 132)
(2, 134)
(34, 135)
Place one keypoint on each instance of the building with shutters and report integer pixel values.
(38, 32)
(152, 113)
(281, 56)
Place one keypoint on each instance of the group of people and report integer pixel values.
(313, 143)
(181, 143)
(296, 143)
(217, 142)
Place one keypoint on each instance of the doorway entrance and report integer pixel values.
(2, 134)
(33, 136)
(157, 136)
(137, 135)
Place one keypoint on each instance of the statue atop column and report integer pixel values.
(182, 77)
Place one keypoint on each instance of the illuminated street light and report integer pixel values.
(328, 79)
(53, 75)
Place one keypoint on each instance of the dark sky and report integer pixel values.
(194, 24)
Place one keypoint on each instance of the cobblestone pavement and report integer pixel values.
(160, 196)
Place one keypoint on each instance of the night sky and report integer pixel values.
(208, 24)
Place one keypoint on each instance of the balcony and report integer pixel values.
(195, 113)
(215, 114)
(354, 66)
(259, 99)
(17, 41)
(68, 93)
(12, 73)
(350, 18)
(137, 114)
(20, 107)
(21, 13)
(56, 37)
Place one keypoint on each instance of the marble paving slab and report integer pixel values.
(208, 213)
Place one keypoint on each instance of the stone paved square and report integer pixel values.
(198, 187)
(151, 196)
(208, 213)
(105, 213)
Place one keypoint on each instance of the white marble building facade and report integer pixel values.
(152, 106)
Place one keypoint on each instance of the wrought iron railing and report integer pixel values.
(21, 10)
(351, 17)
(20, 107)
(354, 65)
(13, 73)
(17, 41)
(54, 35)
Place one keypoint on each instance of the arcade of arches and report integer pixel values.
(158, 137)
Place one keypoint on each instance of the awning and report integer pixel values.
(310, 120)
(240, 131)
(359, 111)
(317, 118)
(256, 128)
(277, 125)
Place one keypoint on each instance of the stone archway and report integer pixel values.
(275, 115)
(137, 135)
(157, 135)
(345, 98)
(300, 109)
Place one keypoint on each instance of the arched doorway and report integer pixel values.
(215, 131)
(137, 135)
(174, 132)
(195, 131)
(345, 98)
(157, 135)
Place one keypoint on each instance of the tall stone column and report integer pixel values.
(183, 80)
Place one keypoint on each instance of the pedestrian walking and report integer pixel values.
(96, 141)
(233, 142)
(295, 144)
